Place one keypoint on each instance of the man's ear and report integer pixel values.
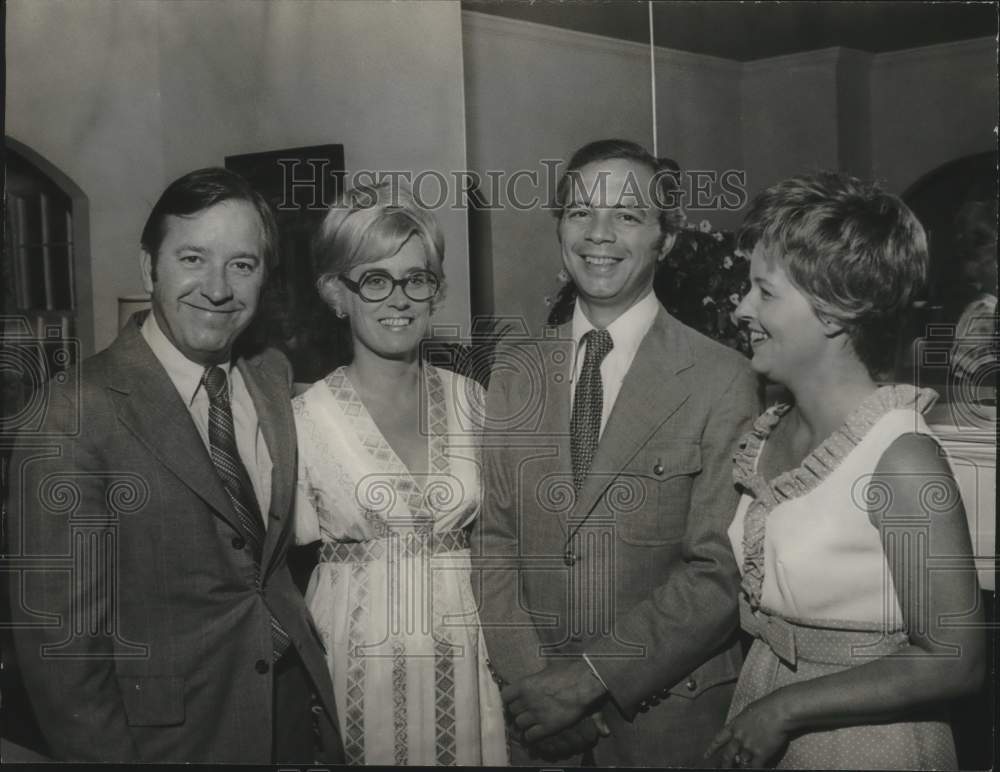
(668, 243)
(148, 271)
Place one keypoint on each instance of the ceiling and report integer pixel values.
(747, 31)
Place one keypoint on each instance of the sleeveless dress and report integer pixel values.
(817, 593)
(391, 595)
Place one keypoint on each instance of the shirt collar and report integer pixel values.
(627, 331)
(185, 374)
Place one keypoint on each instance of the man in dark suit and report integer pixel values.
(174, 632)
(608, 588)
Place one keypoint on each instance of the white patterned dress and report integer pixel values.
(391, 595)
(818, 595)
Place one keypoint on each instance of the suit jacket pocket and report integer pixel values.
(153, 700)
(655, 493)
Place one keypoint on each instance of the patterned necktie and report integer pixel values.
(588, 403)
(236, 481)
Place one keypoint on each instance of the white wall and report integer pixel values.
(83, 92)
(124, 97)
(893, 116)
(535, 92)
(788, 116)
(930, 106)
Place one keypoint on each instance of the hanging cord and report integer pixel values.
(652, 77)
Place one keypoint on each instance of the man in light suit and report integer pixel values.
(158, 621)
(607, 585)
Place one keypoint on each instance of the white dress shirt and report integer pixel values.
(627, 332)
(186, 377)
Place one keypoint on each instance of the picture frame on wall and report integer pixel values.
(300, 184)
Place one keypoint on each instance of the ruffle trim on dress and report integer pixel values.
(815, 467)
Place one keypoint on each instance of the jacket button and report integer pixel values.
(658, 469)
(643, 707)
(261, 666)
(691, 685)
(239, 542)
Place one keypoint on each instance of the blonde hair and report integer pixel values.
(370, 223)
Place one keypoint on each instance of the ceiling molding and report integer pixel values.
(977, 47)
(821, 56)
(545, 34)
(750, 31)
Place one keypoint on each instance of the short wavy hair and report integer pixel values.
(197, 191)
(858, 253)
(370, 223)
(666, 176)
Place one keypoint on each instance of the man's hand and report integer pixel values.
(572, 741)
(552, 699)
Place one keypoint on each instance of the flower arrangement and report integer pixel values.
(701, 281)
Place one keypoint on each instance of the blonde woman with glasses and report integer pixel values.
(388, 484)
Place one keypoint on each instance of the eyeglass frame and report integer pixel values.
(355, 286)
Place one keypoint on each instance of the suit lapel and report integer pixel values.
(650, 394)
(277, 424)
(150, 407)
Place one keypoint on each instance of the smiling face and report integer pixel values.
(611, 238)
(789, 340)
(209, 273)
(390, 328)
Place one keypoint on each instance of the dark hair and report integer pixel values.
(859, 254)
(666, 175)
(199, 190)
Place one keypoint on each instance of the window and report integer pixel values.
(44, 326)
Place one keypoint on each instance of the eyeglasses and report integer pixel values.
(375, 286)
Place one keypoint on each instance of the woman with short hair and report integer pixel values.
(848, 501)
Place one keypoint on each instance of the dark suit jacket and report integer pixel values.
(143, 634)
(649, 591)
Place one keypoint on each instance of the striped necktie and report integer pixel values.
(588, 404)
(236, 481)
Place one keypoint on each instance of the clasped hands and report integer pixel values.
(554, 712)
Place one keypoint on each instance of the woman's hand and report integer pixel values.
(755, 738)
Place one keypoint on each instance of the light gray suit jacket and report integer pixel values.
(143, 633)
(636, 571)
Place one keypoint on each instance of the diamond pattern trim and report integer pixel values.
(445, 743)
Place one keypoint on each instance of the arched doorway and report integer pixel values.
(46, 253)
(937, 199)
(46, 325)
(956, 203)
